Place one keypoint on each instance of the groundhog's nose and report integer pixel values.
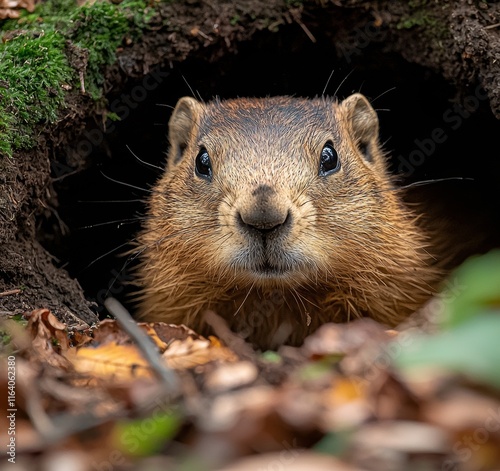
(263, 212)
(264, 221)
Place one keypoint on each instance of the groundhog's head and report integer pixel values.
(272, 191)
(279, 210)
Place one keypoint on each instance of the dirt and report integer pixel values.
(27, 269)
(459, 41)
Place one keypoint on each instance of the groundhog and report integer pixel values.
(279, 214)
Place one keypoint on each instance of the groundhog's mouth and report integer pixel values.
(269, 270)
(265, 267)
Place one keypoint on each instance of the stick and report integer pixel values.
(145, 344)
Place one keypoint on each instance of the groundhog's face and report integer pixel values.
(276, 191)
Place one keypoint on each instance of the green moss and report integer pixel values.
(421, 14)
(423, 17)
(419, 18)
(6, 332)
(99, 29)
(5, 127)
(5, 340)
(34, 69)
(35, 65)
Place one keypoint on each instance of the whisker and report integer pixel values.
(147, 164)
(436, 180)
(383, 93)
(246, 297)
(195, 95)
(109, 252)
(165, 105)
(126, 184)
(298, 299)
(342, 83)
(189, 86)
(117, 221)
(111, 201)
(384, 144)
(327, 82)
(131, 242)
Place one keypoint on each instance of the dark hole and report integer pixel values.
(426, 133)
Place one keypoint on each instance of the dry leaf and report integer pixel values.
(169, 332)
(291, 460)
(12, 8)
(226, 411)
(49, 339)
(109, 331)
(190, 353)
(110, 360)
(391, 444)
(153, 335)
(113, 354)
(460, 409)
(342, 339)
(231, 375)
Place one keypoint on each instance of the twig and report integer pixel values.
(145, 344)
(10, 292)
(306, 30)
(496, 25)
(39, 418)
(232, 340)
(82, 81)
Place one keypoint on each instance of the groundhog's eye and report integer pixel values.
(203, 165)
(329, 162)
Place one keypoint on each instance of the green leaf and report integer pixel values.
(472, 348)
(476, 288)
(144, 437)
(334, 443)
(271, 357)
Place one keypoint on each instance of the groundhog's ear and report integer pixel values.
(182, 126)
(363, 121)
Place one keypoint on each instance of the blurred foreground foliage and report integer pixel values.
(468, 342)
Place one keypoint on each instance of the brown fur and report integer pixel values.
(351, 249)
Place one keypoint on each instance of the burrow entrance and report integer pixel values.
(431, 130)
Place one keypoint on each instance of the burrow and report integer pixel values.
(432, 131)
